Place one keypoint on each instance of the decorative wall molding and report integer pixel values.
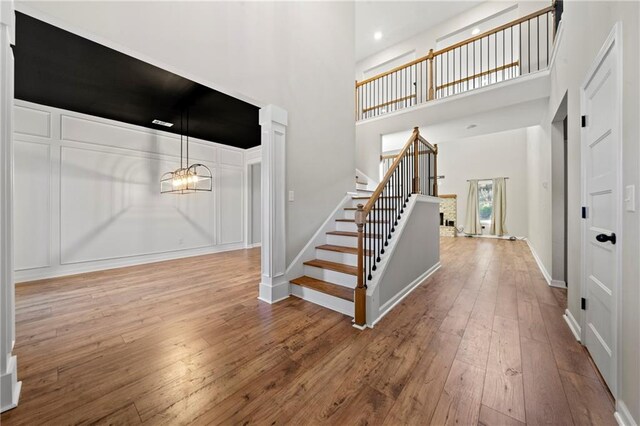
(118, 165)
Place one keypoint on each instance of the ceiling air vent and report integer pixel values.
(162, 123)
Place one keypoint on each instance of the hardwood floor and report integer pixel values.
(482, 341)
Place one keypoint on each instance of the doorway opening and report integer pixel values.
(559, 148)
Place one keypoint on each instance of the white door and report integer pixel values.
(602, 161)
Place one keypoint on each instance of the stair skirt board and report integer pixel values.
(388, 306)
(331, 302)
(333, 277)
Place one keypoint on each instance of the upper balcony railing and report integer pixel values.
(517, 48)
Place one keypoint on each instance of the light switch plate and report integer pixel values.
(630, 198)
(291, 196)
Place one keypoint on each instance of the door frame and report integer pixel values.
(613, 41)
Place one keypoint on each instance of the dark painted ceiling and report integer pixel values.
(60, 69)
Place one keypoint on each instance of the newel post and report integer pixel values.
(430, 59)
(360, 305)
(416, 168)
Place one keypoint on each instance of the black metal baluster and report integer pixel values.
(538, 38)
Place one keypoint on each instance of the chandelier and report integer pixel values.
(187, 178)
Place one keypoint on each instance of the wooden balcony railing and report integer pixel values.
(414, 171)
(519, 47)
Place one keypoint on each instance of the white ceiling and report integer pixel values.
(399, 20)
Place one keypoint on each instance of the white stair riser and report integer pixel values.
(354, 203)
(349, 214)
(334, 303)
(338, 257)
(352, 227)
(346, 226)
(361, 186)
(333, 277)
(340, 240)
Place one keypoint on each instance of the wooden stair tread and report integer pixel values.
(342, 249)
(366, 197)
(379, 208)
(332, 266)
(353, 220)
(351, 234)
(325, 287)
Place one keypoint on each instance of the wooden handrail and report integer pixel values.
(376, 194)
(480, 74)
(384, 104)
(495, 30)
(433, 54)
(411, 172)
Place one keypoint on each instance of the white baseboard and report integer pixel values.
(573, 324)
(544, 271)
(404, 293)
(9, 386)
(623, 416)
(254, 245)
(558, 284)
(27, 275)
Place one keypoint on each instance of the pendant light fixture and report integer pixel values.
(189, 177)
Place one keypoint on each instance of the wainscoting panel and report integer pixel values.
(89, 197)
(32, 218)
(231, 202)
(32, 121)
(111, 207)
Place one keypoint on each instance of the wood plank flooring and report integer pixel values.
(481, 342)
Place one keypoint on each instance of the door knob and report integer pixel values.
(603, 238)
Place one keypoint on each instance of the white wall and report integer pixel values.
(586, 26)
(87, 195)
(501, 154)
(538, 190)
(458, 28)
(297, 55)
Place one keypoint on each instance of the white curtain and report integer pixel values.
(499, 207)
(472, 225)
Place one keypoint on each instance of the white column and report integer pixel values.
(9, 385)
(273, 285)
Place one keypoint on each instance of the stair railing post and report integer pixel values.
(361, 289)
(430, 59)
(435, 171)
(416, 171)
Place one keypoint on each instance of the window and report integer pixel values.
(485, 201)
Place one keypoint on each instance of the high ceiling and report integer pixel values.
(63, 70)
(399, 20)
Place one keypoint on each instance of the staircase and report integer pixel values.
(350, 251)
(333, 273)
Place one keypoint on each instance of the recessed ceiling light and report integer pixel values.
(475, 31)
(471, 126)
(377, 35)
(162, 123)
